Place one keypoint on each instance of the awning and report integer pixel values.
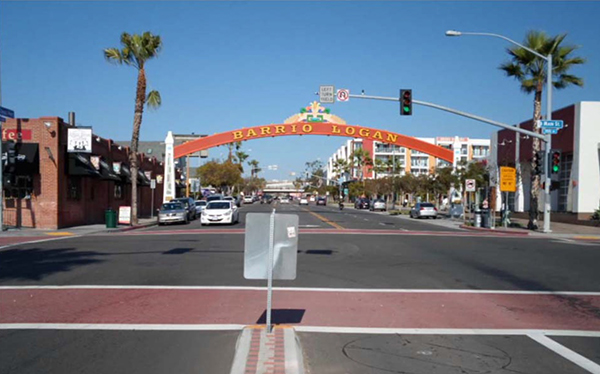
(27, 159)
(142, 180)
(125, 173)
(80, 164)
(107, 172)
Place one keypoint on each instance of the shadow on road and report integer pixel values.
(36, 263)
(282, 316)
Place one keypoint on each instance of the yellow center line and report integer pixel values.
(324, 219)
(59, 234)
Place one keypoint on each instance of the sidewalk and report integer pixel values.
(75, 230)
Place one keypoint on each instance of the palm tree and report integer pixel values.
(136, 51)
(340, 166)
(361, 158)
(530, 71)
(254, 168)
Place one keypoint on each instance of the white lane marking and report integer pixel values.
(566, 353)
(375, 330)
(303, 289)
(41, 241)
(116, 326)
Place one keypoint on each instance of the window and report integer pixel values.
(564, 178)
(74, 188)
(118, 191)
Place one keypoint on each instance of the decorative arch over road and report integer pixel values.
(313, 120)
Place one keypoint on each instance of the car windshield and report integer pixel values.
(427, 205)
(211, 198)
(172, 206)
(201, 203)
(218, 205)
(182, 201)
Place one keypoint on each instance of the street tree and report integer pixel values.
(223, 175)
(530, 71)
(254, 169)
(360, 159)
(136, 51)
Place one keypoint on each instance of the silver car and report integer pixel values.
(423, 210)
(172, 212)
(200, 205)
(378, 205)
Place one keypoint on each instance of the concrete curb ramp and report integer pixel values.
(259, 352)
(499, 231)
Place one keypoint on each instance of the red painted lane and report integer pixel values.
(351, 309)
(8, 240)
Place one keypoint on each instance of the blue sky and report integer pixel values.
(227, 65)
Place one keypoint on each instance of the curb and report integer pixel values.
(130, 228)
(499, 231)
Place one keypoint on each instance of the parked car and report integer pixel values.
(200, 205)
(362, 203)
(423, 210)
(248, 199)
(303, 201)
(172, 212)
(322, 201)
(214, 198)
(220, 211)
(230, 198)
(378, 204)
(190, 206)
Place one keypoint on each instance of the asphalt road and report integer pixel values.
(362, 270)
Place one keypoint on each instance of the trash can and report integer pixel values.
(477, 218)
(110, 217)
(485, 218)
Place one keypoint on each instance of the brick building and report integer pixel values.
(50, 188)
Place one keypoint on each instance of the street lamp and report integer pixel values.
(548, 138)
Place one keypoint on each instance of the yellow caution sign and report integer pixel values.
(508, 179)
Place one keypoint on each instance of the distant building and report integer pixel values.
(407, 160)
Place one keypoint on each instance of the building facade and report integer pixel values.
(579, 175)
(403, 160)
(44, 186)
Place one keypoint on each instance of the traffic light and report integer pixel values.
(405, 102)
(554, 165)
(538, 163)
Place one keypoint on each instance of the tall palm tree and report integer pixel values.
(361, 158)
(136, 51)
(340, 166)
(530, 71)
(254, 168)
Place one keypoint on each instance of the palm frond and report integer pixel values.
(512, 70)
(113, 55)
(565, 80)
(153, 100)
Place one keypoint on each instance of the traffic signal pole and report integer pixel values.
(545, 138)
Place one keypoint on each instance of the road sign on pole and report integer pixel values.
(551, 124)
(5, 112)
(508, 179)
(343, 95)
(549, 130)
(327, 94)
(470, 185)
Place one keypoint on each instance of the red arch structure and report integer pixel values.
(312, 128)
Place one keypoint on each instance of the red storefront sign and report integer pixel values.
(14, 134)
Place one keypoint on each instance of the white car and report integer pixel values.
(200, 206)
(248, 199)
(284, 200)
(220, 211)
(312, 198)
(303, 201)
(378, 205)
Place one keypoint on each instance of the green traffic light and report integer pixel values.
(406, 109)
(555, 168)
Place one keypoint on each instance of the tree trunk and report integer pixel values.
(535, 179)
(140, 99)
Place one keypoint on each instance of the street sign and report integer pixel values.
(256, 246)
(5, 112)
(343, 95)
(508, 179)
(551, 124)
(152, 184)
(551, 131)
(470, 185)
(327, 94)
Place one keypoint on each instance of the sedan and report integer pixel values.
(172, 212)
(220, 211)
(423, 210)
(200, 205)
(284, 200)
(361, 204)
(322, 201)
(303, 201)
(248, 199)
(378, 205)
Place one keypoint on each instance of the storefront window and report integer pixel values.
(118, 191)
